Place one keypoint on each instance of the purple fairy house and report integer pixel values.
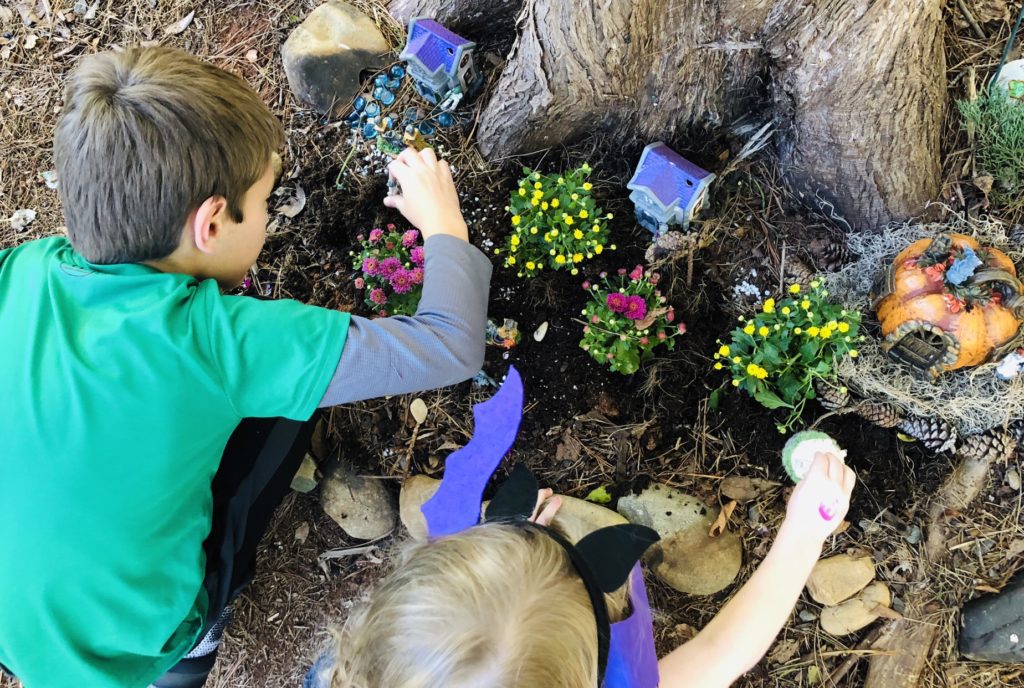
(667, 189)
(440, 62)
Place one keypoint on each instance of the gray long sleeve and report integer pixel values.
(441, 345)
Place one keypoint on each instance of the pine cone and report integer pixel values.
(829, 254)
(798, 270)
(1017, 432)
(830, 396)
(882, 415)
(669, 244)
(934, 433)
(989, 446)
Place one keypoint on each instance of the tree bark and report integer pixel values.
(856, 87)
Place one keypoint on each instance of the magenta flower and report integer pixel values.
(662, 335)
(391, 227)
(370, 265)
(637, 273)
(636, 308)
(360, 237)
(360, 283)
(644, 341)
(617, 302)
(382, 314)
(376, 235)
(389, 245)
(417, 275)
(410, 238)
(622, 271)
(595, 319)
(378, 297)
(401, 281)
(389, 266)
(416, 256)
(586, 285)
(681, 327)
(655, 278)
(671, 315)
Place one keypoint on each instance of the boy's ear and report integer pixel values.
(206, 222)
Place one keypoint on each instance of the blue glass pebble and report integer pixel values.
(446, 119)
(372, 109)
(398, 71)
(411, 115)
(427, 129)
(388, 122)
(353, 117)
(359, 104)
(369, 132)
(394, 84)
(377, 92)
(387, 97)
(380, 79)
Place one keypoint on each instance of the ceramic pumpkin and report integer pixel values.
(949, 303)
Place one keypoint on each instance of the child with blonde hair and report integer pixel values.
(518, 602)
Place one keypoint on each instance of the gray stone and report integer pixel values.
(856, 613)
(993, 626)
(415, 492)
(665, 509)
(839, 578)
(693, 562)
(325, 54)
(363, 507)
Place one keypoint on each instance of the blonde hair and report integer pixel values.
(496, 605)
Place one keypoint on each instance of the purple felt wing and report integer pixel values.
(456, 504)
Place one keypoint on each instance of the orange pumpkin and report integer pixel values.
(935, 325)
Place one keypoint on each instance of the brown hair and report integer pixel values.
(145, 137)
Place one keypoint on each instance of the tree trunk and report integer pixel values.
(856, 87)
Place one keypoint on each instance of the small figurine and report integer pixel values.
(667, 189)
(414, 137)
(441, 63)
(949, 303)
(506, 336)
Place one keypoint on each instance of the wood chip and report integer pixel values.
(6, 15)
(178, 26)
(784, 651)
(418, 409)
(302, 532)
(718, 527)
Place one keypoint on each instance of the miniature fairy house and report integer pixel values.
(440, 62)
(667, 189)
(949, 303)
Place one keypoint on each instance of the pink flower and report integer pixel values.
(389, 245)
(655, 278)
(382, 313)
(371, 265)
(622, 271)
(637, 273)
(610, 357)
(661, 334)
(246, 283)
(681, 327)
(376, 235)
(401, 281)
(360, 237)
(391, 228)
(410, 238)
(586, 329)
(417, 275)
(617, 302)
(644, 341)
(360, 283)
(636, 308)
(378, 297)
(671, 315)
(416, 256)
(389, 266)
(602, 275)
(595, 319)
(586, 285)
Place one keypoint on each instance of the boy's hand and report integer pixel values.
(547, 507)
(821, 500)
(428, 199)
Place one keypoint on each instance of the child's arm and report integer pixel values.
(736, 639)
(444, 342)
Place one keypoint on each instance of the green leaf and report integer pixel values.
(599, 495)
(771, 354)
(714, 400)
(789, 387)
(770, 400)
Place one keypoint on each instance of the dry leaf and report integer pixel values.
(28, 16)
(418, 409)
(295, 204)
(984, 182)
(30, 41)
(886, 612)
(784, 651)
(718, 527)
(5, 52)
(251, 55)
(685, 632)
(651, 316)
(179, 26)
(569, 448)
(91, 13)
(744, 489)
(6, 16)
(302, 532)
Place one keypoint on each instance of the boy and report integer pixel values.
(151, 423)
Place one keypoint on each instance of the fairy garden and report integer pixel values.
(685, 274)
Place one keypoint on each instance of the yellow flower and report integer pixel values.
(826, 332)
(749, 329)
(752, 370)
(530, 265)
(568, 219)
(763, 331)
(786, 310)
(560, 259)
(544, 205)
(574, 271)
(769, 306)
(737, 360)
(561, 180)
(511, 260)
(577, 257)
(609, 216)
(813, 331)
(815, 284)
(587, 186)
(538, 185)
(554, 232)
(552, 252)
(586, 167)
(522, 191)
(844, 327)
(595, 229)
(534, 202)
(554, 202)
(798, 330)
(718, 366)
(724, 350)
(735, 383)
(538, 194)
(854, 353)
(805, 304)
(598, 249)
(833, 324)
(516, 240)
(584, 214)
(577, 234)
(533, 230)
(794, 289)
(536, 175)
(516, 220)
(575, 197)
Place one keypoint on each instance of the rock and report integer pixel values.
(692, 562)
(415, 492)
(854, 614)
(665, 509)
(993, 627)
(840, 577)
(324, 55)
(305, 478)
(363, 507)
(578, 517)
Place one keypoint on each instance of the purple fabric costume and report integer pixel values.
(632, 662)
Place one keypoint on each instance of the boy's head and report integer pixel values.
(153, 143)
(495, 605)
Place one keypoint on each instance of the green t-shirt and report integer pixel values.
(119, 388)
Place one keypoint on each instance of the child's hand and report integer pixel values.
(820, 501)
(547, 506)
(428, 199)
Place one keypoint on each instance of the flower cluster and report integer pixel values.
(390, 267)
(555, 223)
(776, 355)
(626, 319)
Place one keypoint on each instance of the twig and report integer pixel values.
(855, 655)
(970, 19)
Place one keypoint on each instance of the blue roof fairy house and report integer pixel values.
(667, 189)
(440, 62)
